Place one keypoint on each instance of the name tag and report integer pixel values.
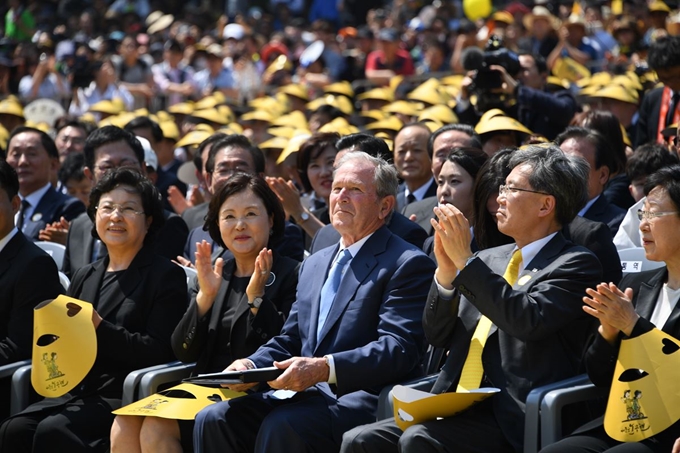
(631, 266)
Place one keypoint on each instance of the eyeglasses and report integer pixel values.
(649, 215)
(503, 190)
(128, 212)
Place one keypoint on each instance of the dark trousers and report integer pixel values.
(81, 426)
(473, 431)
(261, 423)
(596, 440)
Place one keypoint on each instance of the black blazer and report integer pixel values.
(607, 213)
(22, 265)
(423, 209)
(51, 207)
(401, 194)
(647, 126)
(539, 332)
(195, 340)
(596, 237)
(398, 225)
(169, 241)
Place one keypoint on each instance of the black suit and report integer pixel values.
(601, 358)
(167, 178)
(399, 225)
(138, 318)
(423, 210)
(22, 264)
(401, 194)
(195, 215)
(195, 340)
(617, 191)
(51, 207)
(596, 237)
(538, 337)
(647, 127)
(169, 241)
(607, 213)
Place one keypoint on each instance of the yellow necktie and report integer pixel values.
(471, 376)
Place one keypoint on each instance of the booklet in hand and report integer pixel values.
(236, 377)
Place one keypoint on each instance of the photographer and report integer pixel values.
(103, 87)
(45, 81)
(525, 97)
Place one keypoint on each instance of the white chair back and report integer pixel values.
(633, 260)
(63, 279)
(56, 251)
(190, 273)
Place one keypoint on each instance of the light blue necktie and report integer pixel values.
(330, 288)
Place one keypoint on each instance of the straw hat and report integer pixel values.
(500, 123)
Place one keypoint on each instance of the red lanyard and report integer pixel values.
(663, 113)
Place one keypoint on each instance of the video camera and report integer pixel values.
(487, 82)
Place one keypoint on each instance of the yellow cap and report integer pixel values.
(41, 125)
(295, 119)
(119, 120)
(9, 107)
(339, 125)
(384, 136)
(274, 143)
(377, 94)
(226, 112)
(207, 102)
(235, 128)
(109, 107)
(438, 113)
(269, 104)
(293, 145)
(556, 82)
(455, 80)
(204, 127)
(89, 117)
(630, 81)
(374, 115)
(297, 91)
(170, 130)
(344, 88)
(391, 123)
(281, 63)
(282, 131)
(428, 92)
(433, 125)
(164, 116)
(141, 112)
(659, 6)
(500, 123)
(624, 133)
(503, 16)
(486, 116)
(193, 138)
(211, 115)
(340, 102)
(182, 108)
(570, 69)
(257, 115)
(590, 90)
(404, 107)
(4, 135)
(618, 93)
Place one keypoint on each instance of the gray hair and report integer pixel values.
(553, 172)
(386, 180)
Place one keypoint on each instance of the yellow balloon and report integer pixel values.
(477, 9)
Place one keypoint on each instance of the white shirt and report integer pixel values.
(33, 198)
(89, 96)
(6, 239)
(629, 236)
(668, 299)
(420, 192)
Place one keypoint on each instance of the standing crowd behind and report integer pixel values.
(354, 190)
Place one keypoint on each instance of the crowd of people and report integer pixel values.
(354, 185)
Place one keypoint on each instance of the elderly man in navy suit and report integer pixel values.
(354, 329)
(34, 156)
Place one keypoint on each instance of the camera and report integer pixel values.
(487, 82)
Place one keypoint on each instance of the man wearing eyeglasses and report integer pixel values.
(523, 301)
(107, 148)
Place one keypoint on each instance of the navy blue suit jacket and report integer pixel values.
(51, 207)
(607, 213)
(373, 330)
(401, 194)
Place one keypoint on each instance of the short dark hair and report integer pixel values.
(198, 159)
(151, 198)
(475, 141)
(609, 126)
(421, 126)
(72, 168)
(541, 65)
(45, 140)
(144, 122)
(310, 150)
(68, 120)
(9, 181)
(669, 180)
(664, 53)
(604, 153)
(648, 159)
(329, 110)
(369, 144)
(470, 159)
(235, 184)
(110, 134)
(235, 141)
(489, 178)
(553, 172)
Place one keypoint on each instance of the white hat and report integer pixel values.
(150, 158)
(234, 31)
